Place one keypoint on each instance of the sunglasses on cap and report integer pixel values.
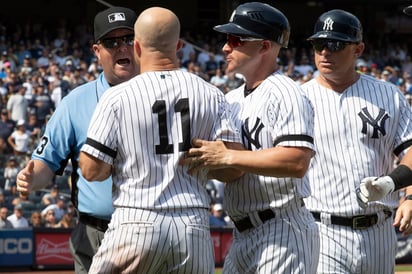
(236, 41)
(114, 42)
(331, 45)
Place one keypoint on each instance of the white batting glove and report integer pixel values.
(374, 189)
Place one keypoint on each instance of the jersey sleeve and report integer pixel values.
(55, 146)
(291, 117)
(101, 139)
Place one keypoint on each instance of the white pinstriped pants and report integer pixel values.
(288, 243)
(143, 241)
(365, 251)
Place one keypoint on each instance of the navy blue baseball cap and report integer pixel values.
(111, 19)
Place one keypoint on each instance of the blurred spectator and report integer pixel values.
(51, 197)
(42, 103)
(59, 208)
(19, 140)
(304, 66)
(6, 125)
(217, 218)
(218, 80)
(4, 202)
(203, 56)
(232, 81)
(211, 66)
(186, 51)
(68, 220)
(10, 175)
(17, 105)
(17, 219)
(49, 218)
(36, 220)
(4, 222)
(34, 127)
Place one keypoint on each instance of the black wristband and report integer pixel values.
(401, 176)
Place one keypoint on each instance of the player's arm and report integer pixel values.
(36, 175)
(277, 161)
(375, 188)
(227, 174)
(93, 169)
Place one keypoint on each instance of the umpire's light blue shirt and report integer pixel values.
(65, 134)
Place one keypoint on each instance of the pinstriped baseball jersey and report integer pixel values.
(275, 114)
(142, 127)
(357, 134)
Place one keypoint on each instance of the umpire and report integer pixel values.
(67, 130)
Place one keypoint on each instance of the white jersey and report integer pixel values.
(276, 113)
(357, 134)
(142, 127)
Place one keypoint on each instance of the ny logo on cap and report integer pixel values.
(328, 24)
(117, 16)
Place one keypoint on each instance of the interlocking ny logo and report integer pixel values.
(328, 24)
(247, 134)
(378, 124)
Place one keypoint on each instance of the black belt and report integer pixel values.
(246, 223)
(264, 215)
(97, 223)
(355, 222)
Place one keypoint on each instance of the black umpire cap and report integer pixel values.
(111, 19)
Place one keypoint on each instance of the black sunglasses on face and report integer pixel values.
(114, 42)
(331, 45)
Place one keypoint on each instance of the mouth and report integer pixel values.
(123, 62)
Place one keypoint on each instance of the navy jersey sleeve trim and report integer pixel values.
(402, 147)
(106, 150)
(284, 138)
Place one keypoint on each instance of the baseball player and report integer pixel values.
(375, 188)
(361, 124)
(66, 132)
(274, 232)
(138, 132)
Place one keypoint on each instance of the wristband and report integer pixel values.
(401, 176)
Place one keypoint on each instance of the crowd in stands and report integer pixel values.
(39, 67)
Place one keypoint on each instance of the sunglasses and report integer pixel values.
(331, 45)
(114, 42)
(236, 41)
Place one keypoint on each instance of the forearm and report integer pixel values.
(42, 176)
(276, 162)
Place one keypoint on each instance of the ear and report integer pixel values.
(266, 45)
(96, 51)
(137, 48)
(359, 49)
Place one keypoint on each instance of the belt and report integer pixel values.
(97, 223)
(246, 223)
(355, 222)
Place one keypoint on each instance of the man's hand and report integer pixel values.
(24, 179)
(374, 189)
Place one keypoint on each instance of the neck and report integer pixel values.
(158, 62)
(338, 84)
